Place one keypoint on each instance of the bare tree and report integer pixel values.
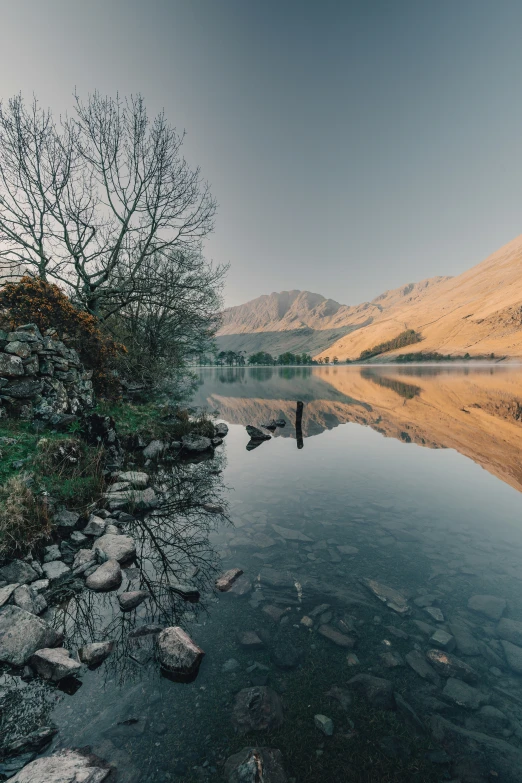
(94, 200)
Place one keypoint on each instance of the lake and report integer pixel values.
(400, 479)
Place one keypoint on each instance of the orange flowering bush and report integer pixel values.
(31, 300)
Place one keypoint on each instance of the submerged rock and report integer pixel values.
(22, 634)
(115, 547)
(513, 655)
(464, 639)
(324, 724)
(256, 434)
(66, 766)
(463, 695)
(341, 695)
(450, 666)
(388, 595)
(95, 653)
(289, 534)
(419, 665)
(250, 640)
(132, 599)
(106, 577)
(489, 605)
(510, 631)
(255, 765)
(226, 580)
(377, 691)
(443, 640)
(177, 653)
(338, 638)
(54, 664)
(257, 709)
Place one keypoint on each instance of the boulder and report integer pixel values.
(177, 653)
(154, 449)
(377, 691)
(253, 765)
(95, 526)
(106, 577)
(6, 593)
(66, 766)
(256, 434)
(10, 366)
(137, 479)
(388, 595)
(26, 597)
(257, 709)
(55, 570)
(18, 571)
(489, 605)
(226, 580)
(463, 695)
(195, 444)
(450, 666)
(221, 429)
(22, 634)
(133, 599)
(66, 520)
(510, 631)
(115, 547)
(54, 663)
(95, 653)
(513, 655)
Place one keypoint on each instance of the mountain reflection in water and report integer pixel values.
(475, 410)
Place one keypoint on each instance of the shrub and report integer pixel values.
(24, 518)
(32, 300)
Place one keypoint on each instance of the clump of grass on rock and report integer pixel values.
(24, 517)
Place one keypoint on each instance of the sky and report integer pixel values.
(353, 146)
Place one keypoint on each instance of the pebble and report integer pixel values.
(324, 724)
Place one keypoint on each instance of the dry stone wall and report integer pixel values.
(40, 377)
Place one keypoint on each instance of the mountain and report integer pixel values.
(479, 312)
(300, 321)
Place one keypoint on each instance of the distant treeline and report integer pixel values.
(408, 337)
(262, 357)
(240, 359)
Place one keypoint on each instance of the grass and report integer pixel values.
(151, 420)
(24, 517)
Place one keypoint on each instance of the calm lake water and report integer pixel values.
(407, 476)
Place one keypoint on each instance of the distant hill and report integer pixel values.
(300, 321)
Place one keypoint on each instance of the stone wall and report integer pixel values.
(40, 377)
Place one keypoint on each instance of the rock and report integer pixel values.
(77, 537)
(226, 580)
(250, 640)
(377, 691)
(489, 605)
(216, 442)
(285, 655)
(443, 640)
(150, 629)
(478, 753)
(115, 547)
(513, 655)
(344, 549)
(256, 434)
(391, 659)
(274, 612)
(6, 592)
(435, 612)
(17, 348)
(388, 595)
(154, 449)
(133, 599)
(419, 665)
(340, 639)
(10, 366)
(83, 559)
(195, 444)
(255, 765)
(324, 724)
(94, 527)
(18, 571)
(257, 709)
(137, 479)
(450, 666)
(462, 694)
(352, 659)
(106, 577)
(212, 508)
(95, 653)
(241, 586)
(221, 429)
(135, 499)
(187, 592)
(510, 631)
(27, 598)
(22, 633)
(231, 665)
(66, 766)
(341, 695)
(66, 520)
(177, 653)
(55, 570)
(40, 585)
(408, 713)
(290, 534)
(464, 639)
(270, 425)
(52, 553)
(307, 621)
(54, 663)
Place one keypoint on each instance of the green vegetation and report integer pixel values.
(408, 337)
(261, 357)
(150, 420)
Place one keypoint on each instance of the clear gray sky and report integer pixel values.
(353, 145)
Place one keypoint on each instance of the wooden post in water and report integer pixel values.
(298, 424)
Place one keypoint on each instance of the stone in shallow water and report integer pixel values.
(257, 709)
(289, 534)
(253, 765)
(115, 547)
(255, 434)
(285, 655)
(510, 631)
(55, 570)
(463, 695)
(22, 634)
(324, 724)
(66, 766)
(340, 639)
(106, 577)
(377, 691)
(177, 653)
(221, 429)
(465, 641)
(226, 580)
(132, 599)
(274, 612)
(443, 640)
(450, 666)
(250, 640)
(307, 621)
(344, 549)
(54, 664)
(18, 571)
(352, 659)
(489, 605)
(391, 659)
(341, 695)
(419, 665)
(26, 597)
(513, 655)
(435, 612)
(93, 654)
(388, 595)
(241, 586)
